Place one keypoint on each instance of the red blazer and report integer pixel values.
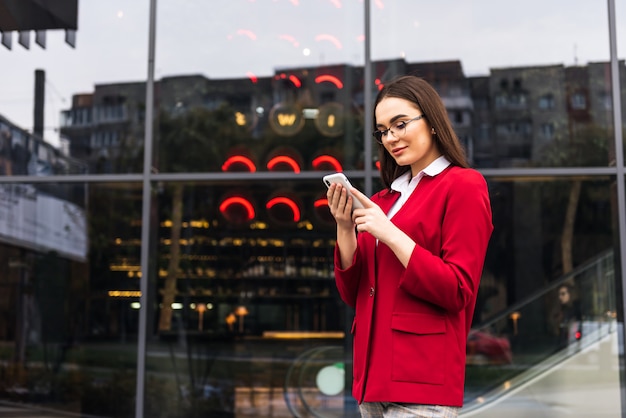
(411, 325)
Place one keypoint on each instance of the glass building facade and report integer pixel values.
(167, 250)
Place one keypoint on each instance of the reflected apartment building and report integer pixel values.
(252, 259)
(514, 117)
(504, 119)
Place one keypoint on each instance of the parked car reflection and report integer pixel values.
(486, 348)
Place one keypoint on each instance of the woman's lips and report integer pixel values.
(398, 150)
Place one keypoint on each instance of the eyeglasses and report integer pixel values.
(397, 130)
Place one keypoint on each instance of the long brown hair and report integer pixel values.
(418, 91)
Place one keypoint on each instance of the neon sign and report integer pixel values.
(239, 159)
(283, 159)
(330, 78)
(318, 162)
(237, 201)
(285, 201)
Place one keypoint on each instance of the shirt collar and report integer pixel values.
(402, 183)
(437, 166)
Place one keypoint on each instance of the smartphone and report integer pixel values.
(341, 178)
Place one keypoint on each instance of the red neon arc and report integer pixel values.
(320, 202)
(252, 77)
(247, 33)
(285, 201)
(331, 38)
(331, 78)
(239, 159)
(295, 80)
(327, 159)
(285, 160)
(238, 200)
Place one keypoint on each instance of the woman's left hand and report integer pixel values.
(371, 218)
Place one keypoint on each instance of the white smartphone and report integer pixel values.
(341, 178)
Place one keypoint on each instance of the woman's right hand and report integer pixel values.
(340, 205)
(341, 208)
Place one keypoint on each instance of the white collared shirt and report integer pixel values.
(405, 184)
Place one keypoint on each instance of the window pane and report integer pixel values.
(70, 296)
(244, 285)
(548, 234)
(540, 95)
(234, 85)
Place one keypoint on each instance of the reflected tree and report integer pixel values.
(586, 147)
(189, 142)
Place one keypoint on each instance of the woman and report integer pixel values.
(412, 268)
(569, 317)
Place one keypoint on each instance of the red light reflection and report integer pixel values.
(318, 162)
(295, 80)
(252, 77)
(248, 33)
(285, 201)
(289, 38)
(283, 159)
(331, 38)
(240, 201)
(330, 78)
(239, 159)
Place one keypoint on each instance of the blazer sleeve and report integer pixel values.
(347, 280)
(451, 278)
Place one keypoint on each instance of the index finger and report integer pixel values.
(367, 203)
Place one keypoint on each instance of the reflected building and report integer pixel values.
(506, 119)
(242, 244)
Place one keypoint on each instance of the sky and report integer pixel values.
(240, 38)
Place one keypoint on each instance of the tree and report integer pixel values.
(587, 146)
(192, 141)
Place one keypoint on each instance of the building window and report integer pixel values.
(546, 101)
(578, 101)
(483, 132)
(547, 130)
(606, 100)
(501, 100)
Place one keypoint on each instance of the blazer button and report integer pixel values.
(371, 291)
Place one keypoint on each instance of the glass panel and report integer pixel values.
(68, 327)
(518, 96)
(87, 102)
(247, 299)
(25, 154)
(551, 237)
(237, 93)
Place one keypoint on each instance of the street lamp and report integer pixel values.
(230, 320)
(201, 308)
(241, 311)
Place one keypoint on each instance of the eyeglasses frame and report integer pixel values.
(378, 135)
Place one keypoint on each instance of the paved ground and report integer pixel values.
(9, 411)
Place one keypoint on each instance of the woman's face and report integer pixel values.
(411, 144)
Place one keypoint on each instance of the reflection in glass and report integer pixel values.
(548, 234)
(242, 312)
(243, 270)
(70, 291)
(23, 153)
(548, 116)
